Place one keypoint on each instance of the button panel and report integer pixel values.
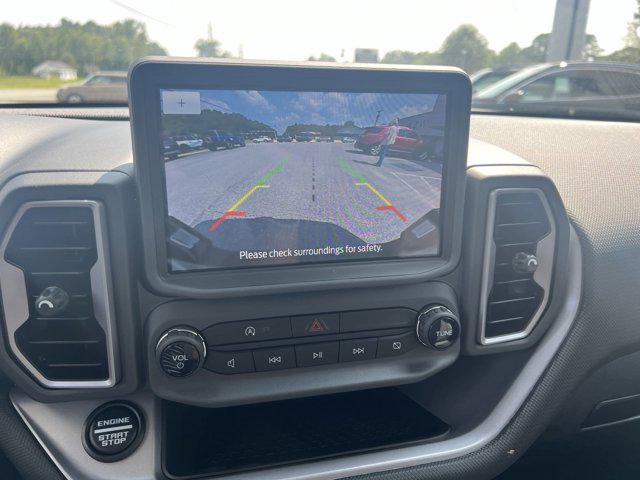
(395, 345)
(274, 359)
(230, 362)
(248, 331)
(360, 349)
(365, 320)
(337, 334)
(309, 355)
(312, 325)
(317, 354)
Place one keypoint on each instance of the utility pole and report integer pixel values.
(567, 38)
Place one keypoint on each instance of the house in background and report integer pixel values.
(53, 68)
(430, 125)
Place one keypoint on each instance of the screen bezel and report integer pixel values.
(149, 76)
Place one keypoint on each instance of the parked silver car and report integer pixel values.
(101, 87)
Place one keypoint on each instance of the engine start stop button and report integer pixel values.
(113, 431)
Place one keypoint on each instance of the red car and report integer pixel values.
(407, 141)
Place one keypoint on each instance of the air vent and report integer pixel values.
(61, 245)
(520, 245)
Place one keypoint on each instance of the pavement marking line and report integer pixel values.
(363, 183)
(232, 211)
(398, 177)
(419, 176)
(431, 187)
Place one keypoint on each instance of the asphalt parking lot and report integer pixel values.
(317, 183)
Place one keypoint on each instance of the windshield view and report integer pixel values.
(557, 58)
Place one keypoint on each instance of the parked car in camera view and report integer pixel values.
(306, 136)
(188, 142)
(170, 149)
(284, 139)
(238, 140)
(215, 139)
(407, 141)
(575, 89)
(101, 87)
(262, 139)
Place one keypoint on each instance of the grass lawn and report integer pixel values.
(7, 82)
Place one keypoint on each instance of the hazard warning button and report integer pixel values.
(320, 324)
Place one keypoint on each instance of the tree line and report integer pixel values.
(210, 120)
(85, 46)
(468, 49)
(90, 46)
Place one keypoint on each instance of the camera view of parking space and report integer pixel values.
(266, 178)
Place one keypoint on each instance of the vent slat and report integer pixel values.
(75, 365)
(505, 320)
(55, 319)
(63, 342)
(55, 249)
(512, 300)
(518, 224)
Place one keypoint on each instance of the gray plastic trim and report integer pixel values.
(545, 252)
(15, 300)
(58, 426)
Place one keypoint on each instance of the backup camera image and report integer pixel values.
(258, 178)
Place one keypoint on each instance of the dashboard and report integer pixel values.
(142, 358)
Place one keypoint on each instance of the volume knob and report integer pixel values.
(181, 351)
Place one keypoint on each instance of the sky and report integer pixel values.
(294, 30)
(281, 109)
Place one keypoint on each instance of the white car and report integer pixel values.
(188, 142)
(262, 140)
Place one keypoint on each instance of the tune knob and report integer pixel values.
(51, 302)
(524, 262)
(437, 327)
(181, 351)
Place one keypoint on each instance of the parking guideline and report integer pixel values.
(363, 183)
(232, 211)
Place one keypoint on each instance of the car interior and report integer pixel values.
(314, 270)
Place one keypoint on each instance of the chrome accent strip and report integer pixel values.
(15, 300)
(545, 252)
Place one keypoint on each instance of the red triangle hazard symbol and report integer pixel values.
(316, 326)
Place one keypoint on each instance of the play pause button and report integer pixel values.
(317, 354)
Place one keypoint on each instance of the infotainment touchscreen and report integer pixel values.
(260, 178)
